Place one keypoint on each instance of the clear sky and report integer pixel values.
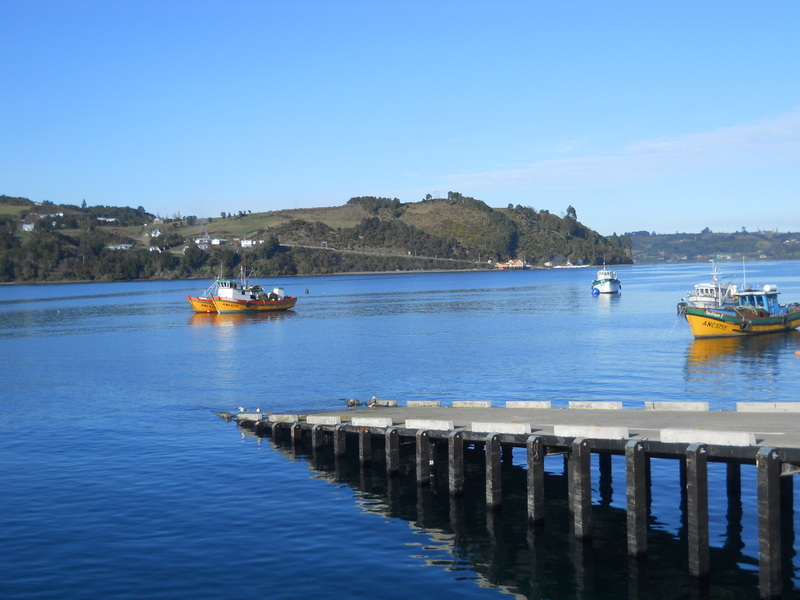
(662, 116)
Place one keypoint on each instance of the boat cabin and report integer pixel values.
(766, 299)
(606, 274)
(230, 284)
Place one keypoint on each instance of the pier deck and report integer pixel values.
(779, 428)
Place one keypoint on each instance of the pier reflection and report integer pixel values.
(501, 549)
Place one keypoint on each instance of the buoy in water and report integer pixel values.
(797, 353)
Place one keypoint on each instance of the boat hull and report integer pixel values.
(225, 306)
(609, 286)
(201, 305)
(710, 323)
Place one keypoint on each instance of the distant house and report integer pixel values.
(251, 243)
(514, 263)
(218, 242)
(120, 247)
(27, 227)
(108, 219)
(155, 233)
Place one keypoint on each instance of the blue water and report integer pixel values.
(119, 481)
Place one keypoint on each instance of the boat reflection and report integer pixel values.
(751, 365)
(233, 320)
(752, 348)
(606, 301)
(712, 349)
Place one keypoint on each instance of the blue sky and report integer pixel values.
(643, 115)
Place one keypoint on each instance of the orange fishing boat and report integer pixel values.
(239, 295)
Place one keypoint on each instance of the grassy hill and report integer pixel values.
(47, 242)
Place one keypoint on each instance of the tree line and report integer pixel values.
(68, 242)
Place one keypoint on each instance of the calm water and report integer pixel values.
(119, 481)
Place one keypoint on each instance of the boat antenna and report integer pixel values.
(744, 276)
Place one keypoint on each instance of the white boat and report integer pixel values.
(606, 282)
(710, 295)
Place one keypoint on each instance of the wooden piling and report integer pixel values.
(493, 479)
(697, 509)
(296, 433)
(769, 523)
(339, 440)
(636, 495)
(423, 441)
(392, 449)
(535, 448)
(317, 437)
(364, 446)
(455, 462)
(581, 484)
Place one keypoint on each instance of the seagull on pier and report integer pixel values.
(242, 409)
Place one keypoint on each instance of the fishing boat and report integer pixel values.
(755, 312)
(239, 295)
(710, 295)
(203, 303)
(606, 282)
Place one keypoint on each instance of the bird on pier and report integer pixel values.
(242, 409)
(258, 410)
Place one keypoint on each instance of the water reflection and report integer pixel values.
(751, 364)
(607, 301)
(233, 320)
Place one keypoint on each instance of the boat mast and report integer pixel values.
(744, 276)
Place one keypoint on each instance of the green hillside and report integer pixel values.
(49, 242)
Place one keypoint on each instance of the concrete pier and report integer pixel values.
(687, 434)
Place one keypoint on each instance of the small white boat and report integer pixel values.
(710, 295)
(606, 282)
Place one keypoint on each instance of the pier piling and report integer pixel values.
(423, 458)
(455, 462)
(494, 486)
(581, 485)
(697, 507)
(636, 496)
(535, 449)
(769, 523)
